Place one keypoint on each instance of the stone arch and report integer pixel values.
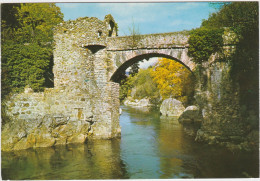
(116, 77)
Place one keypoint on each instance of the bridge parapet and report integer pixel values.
(149, 41)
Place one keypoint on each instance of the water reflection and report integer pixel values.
(170, 145)
(138, 143)
(165, 151)
(95, 160)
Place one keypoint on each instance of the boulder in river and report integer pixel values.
(138, 103)
(171, 108)
(191, 120)
(190, 115)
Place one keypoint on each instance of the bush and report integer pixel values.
(25, 65)
(203, 42)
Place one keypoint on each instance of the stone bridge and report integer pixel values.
(124, 51)
(84, 103)
(89, 59)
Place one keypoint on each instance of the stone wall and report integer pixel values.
(45, 119)
(61, 116)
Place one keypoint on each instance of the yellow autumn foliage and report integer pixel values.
(173, 79)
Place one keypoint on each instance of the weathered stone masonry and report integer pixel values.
(83, 103)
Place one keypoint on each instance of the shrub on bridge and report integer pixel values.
(203, 42)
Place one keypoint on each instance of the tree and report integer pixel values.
(139, 86)
(36, 21)
(242, 17)
(135, 34)
(125, 87)
(26, 65)
(8, 20)
(173, 79)
(27, 45)
(134, 68)
(145, 87)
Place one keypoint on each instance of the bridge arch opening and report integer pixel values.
(120, 72)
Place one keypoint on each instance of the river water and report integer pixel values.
(150, 148)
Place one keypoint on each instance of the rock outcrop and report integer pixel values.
(50, 130)
(171, 108)
(218, 98)
(138, 103)
(191, 120)
(190, 115)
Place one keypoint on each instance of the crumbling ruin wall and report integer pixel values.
(83, 103)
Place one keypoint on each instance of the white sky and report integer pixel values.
(145, 64)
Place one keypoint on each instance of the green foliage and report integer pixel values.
(240, 16)
(26, 64)
(125, 87)
(243, 19)
(140, 85)
(145, 86)
(203, 42)
(134, 68)
(27, 37)
(36, 21)
(8, 20)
